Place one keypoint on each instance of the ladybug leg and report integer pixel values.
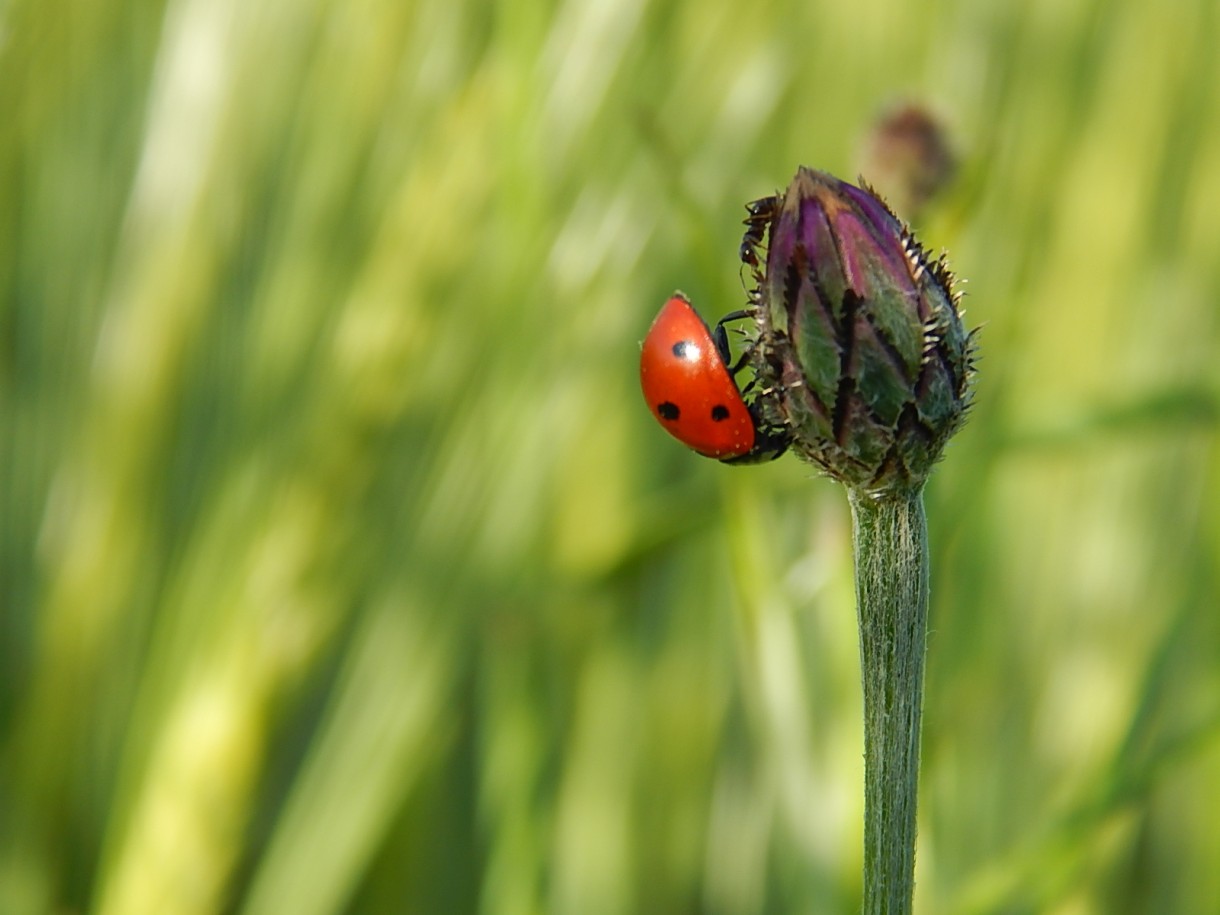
(738, 315)
(741, 363)
(721, 335)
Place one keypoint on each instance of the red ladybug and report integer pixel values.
(685, 374)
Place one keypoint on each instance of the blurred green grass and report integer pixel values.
(343, 570)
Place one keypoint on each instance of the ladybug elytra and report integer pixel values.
(690, 388)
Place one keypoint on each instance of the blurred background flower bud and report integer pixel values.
(907, 157)
(867, 353)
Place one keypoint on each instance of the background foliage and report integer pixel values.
(344, 571)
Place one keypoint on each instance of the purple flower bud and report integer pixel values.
(861, 341)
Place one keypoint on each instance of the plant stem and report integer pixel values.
(890, 536)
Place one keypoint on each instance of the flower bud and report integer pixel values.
(908, 159)
(861, 341)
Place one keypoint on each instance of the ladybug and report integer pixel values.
(690, 388)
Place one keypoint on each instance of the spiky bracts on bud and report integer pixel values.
(863, 343)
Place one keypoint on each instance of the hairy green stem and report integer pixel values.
(890, 536)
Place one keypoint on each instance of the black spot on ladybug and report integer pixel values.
(669, 411)
(684, 349)
(720, 413)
